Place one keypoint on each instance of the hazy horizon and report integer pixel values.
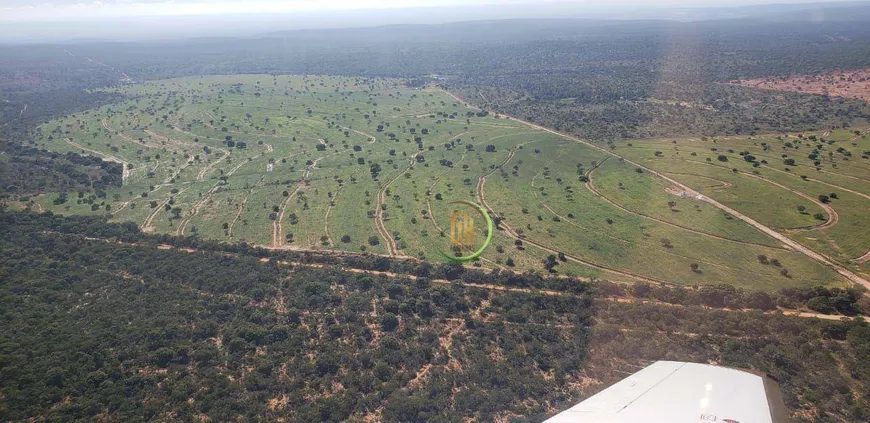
(71, 10)
(128, 20)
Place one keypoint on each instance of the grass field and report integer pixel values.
(370, 165)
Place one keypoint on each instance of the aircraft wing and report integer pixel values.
(676, 392)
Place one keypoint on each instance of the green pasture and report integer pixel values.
(256, 158)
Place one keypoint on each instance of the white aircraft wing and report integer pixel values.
(675, 392)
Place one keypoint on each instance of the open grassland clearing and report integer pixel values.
(811, 187)
(370, 165)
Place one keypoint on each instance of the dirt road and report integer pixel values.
(371, 138)
(241, 208)
(278, 224)
(513, 234)
(202, 173)
(617, 239)
(851, 191)
(389, 242)
(492, 287)
(591, 188)
(833, 216)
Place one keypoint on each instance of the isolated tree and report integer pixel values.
(550, 262)
(389, 322)
(345, 239)
(373, 241)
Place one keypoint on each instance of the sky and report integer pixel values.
(65, 10)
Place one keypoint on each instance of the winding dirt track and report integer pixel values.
(233, 131)
(833, 216)
(329, 211)
(389, 242)
(722, 184)
(125, 137)
(278, 239)
(854, 278)
(168, 140)
(566, 219)
(147, 226)
(512, 234)
(278, 225)
(241, 207)
(195, 209)
(198, 206)
(624, 241)
(589, 185)
(371, 138)
(860, 194)
(201, 175)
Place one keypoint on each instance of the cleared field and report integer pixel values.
(813, 187)
(371, 165)
(848, 84)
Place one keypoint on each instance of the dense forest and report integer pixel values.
(26, 171)
(135, 333)
(103, 320)
(36, 84)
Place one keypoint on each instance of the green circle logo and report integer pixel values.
(462, 234)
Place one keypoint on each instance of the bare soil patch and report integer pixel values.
(847, 84)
